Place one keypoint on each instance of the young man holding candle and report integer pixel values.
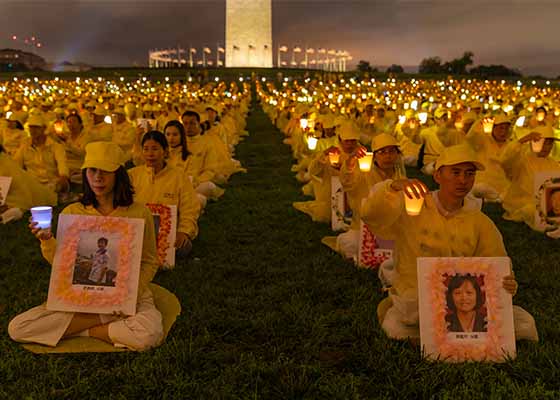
(449, 225)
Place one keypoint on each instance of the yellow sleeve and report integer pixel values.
(350, 180)
(48, 249)
(18, 157)
(189, 209)
(317, 166)
(490, 241)
(60, 157)
(149, 263)
(209, 166)
(382, 209)
(475, 136)
(511, 158)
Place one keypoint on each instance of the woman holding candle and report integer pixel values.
(448, 225)
(522, 162)
(357, 183)
(74, 143)
(159, 183)
(107, 192)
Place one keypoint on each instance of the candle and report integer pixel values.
(334, 158)
(413, 206)
(487, 125)
(423, 117)
(42, 215)
(312, 143)
(537, 145)
(520, 121)
(540, 116)
(365, 161)
(459, 125)
(58, 127)
(303, 123)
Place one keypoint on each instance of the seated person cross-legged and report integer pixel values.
(107, 192)
(448, 226)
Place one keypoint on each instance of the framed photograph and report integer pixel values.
(373, 250)
(341, 214)
(145, 122)
(465, 313)
(165, 223)
(96, 267)
(5, 182)
(547, 200)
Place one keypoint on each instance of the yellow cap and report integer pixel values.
(383, 140)
(469, 117)
(99, 110)
(349, 131)
(458, 154)
(501, 119)
(545, 131)
(36, 120)
(106, 156)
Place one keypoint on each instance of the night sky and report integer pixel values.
(517, 33)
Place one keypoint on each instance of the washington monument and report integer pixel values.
(249, 33)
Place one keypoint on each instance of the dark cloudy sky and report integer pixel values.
(517, 33)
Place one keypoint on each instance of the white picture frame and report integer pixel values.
(339, 222)
(90, 277)
(547, 200)
(465, 313)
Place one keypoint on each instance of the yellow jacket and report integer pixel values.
(522, 164)
(75, 150)
(12, 139)
(101, 132)
(171, 187)
(466, 233)
(149, 262)
(205, 162)
(46, 163)
(25, 191)
(357, 184)
(125, 135)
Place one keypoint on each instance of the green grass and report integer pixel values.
(269, 312)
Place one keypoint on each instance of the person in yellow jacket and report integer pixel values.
(177, 139)
(449, 225)
(25, 191)
(74, 143)
(13, 136)
(204, 162)
(100, 130)
(159, 183)
(521, 164)
(492, 183)
(387, 164)
(124, 133)
(107, 192)
(43, 158)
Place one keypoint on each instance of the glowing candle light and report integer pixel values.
(488, 125)
(537, 145)
(42, 215)
(303, 123)
(334, 158)
(413, 206)
(365, 161)
(520, 121)
(312, 143)
(423, 117)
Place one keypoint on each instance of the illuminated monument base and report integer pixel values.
(249, 33)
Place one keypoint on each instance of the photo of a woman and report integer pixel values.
(553, 202)
(464, 305)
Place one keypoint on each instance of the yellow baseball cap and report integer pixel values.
(383, 140)
(545, 131)
(36, 120)
(106, 156)
(349, 131)
(458, 154)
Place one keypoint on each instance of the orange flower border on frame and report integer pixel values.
(164, 212)
(490, 349)
(65, 291)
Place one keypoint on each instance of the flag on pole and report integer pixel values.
(310, 51)
(207, 50)
(193, 50)
(321, 51)
(283, 48)
(297, 50)
(332, 52)
(221, 50)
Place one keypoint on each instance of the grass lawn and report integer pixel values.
(269, 312)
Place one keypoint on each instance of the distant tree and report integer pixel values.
(430, 65)
(458, 66)
(364, 66)
(395, 69)
(494, 70)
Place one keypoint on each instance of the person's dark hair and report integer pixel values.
(456, 282)
(19, 125)
(2, 149)
(103, 239)
(123, 192)
(541, 108)
(77, 116)
(190, 113)
(177, 124)
(156, 136)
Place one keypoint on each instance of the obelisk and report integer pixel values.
(249, 33)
